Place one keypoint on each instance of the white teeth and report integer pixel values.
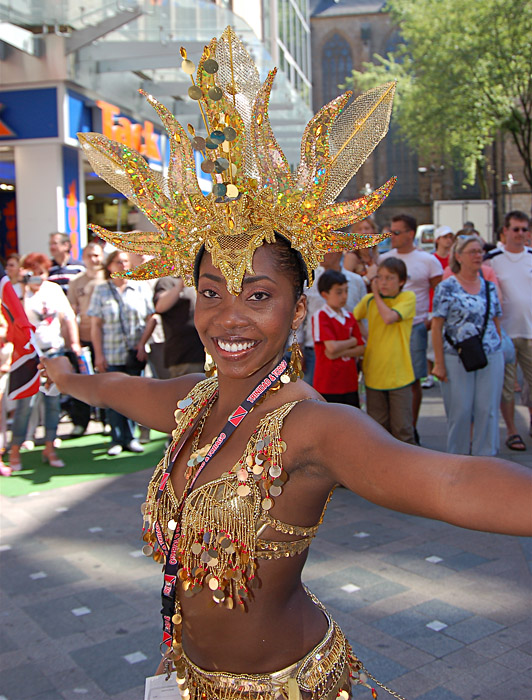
(234, 347)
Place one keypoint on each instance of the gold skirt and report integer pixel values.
(325, 673)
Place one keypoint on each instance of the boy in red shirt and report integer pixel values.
(337, 342)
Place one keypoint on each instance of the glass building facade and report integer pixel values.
(293, 43)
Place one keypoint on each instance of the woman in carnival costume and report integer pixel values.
(256, 453)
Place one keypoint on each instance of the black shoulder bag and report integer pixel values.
(470, 350)
(132, 364)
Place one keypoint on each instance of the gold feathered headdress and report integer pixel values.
(255, 195)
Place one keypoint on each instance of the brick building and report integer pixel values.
(347, 33)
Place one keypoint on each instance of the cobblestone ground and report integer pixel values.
(436, 612)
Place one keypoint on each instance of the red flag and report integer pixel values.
(24, 378)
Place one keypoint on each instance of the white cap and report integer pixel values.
(442, 231)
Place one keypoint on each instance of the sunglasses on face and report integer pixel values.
(397, 233)
(517, 229)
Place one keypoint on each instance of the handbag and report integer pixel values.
(132, 364)
(470, 351)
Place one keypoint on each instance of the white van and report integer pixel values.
(424, 239)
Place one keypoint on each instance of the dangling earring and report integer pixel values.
(295, 367)
(210, 365)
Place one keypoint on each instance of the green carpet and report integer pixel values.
(85, 459)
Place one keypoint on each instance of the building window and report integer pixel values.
(337, 64)
(293, 43)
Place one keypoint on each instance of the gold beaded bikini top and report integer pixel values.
(221, 522)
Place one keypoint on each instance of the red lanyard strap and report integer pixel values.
(168, 591)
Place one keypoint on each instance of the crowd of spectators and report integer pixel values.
(101, 323)
(388, 324)
(421, 315)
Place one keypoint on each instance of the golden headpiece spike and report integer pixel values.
(254, 194)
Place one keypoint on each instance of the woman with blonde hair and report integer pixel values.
(466, 312)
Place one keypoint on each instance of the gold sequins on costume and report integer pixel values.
(254, 193)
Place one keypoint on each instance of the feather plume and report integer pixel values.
(354, 135)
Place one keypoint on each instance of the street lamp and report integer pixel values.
(509, 183)
(422, 170)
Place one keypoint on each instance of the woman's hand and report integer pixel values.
(142, 355)
(439, 372)
(55, 370)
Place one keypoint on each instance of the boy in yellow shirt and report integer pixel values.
(387, 365)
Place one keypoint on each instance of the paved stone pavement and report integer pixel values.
(437, 612)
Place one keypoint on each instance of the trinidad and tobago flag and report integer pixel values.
(24, 378)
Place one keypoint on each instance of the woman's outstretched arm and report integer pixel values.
(479, 493)
(151, 402)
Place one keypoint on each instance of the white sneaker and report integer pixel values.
(428, 383)
(28, 445)
(134, 446)
(114, 450)
(77, 431)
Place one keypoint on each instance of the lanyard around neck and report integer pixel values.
(237, 416)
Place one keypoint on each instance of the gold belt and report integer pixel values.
(325, 673)
(319, 676)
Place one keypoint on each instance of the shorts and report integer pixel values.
(325, 673)
(523, 356)
(418, 350)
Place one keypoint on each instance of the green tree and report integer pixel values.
(464, 75)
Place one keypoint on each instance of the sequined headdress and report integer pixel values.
(254, 194)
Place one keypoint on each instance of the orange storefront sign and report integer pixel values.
(141, 137)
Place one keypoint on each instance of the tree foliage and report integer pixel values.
(464, 74)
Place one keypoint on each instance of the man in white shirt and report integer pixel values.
(424, 273)
(356, 289)
(513, 266)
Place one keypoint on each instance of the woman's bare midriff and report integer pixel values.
(280, 626)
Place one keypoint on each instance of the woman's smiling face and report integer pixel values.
(247, 333)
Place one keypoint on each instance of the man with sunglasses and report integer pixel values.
(513, 266)
(424, 273)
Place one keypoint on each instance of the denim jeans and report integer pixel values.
(473, 398)
(122, 428)
(52, 410)
(418, 349)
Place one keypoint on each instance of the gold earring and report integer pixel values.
(210, 365)
(295, 367)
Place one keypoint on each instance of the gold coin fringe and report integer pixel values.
(221, 520)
